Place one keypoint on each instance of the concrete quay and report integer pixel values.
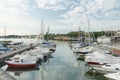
(5, 76)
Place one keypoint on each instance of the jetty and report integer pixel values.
(12, 53)
(4, 75)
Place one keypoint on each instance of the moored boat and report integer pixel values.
(22, 63)
(100, 58)
(113, 76)
(18, 61)
(107, 68)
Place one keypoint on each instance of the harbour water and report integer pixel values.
(62, 65)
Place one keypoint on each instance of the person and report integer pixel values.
(21, 60)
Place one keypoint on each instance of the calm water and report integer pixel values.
(63, 65)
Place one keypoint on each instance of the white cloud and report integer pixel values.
(14, 6)
(72, 12)
(103, 9)
(57, 4)
(98, 11)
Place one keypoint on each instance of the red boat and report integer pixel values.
(20, 63)
(94, 63)
(15, 64)
(115, 51)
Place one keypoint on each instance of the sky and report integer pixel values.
(21, 17)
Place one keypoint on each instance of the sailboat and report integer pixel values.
(88, 48)
(45, 46)
(77, 47)
(4, 43)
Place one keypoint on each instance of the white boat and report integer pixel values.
(22, 63)
(48, 44)
(107, 68)
(43, 51)
(103, 39)
(25, 59)
(32, 55)
(3, 49)
(18, 61)
(100, 58)
(113, 76)
(83, 50)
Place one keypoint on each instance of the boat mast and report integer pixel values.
(5, 34)
(42, 30)
(79, 37)
(47, 33)
(89, 29)
(88, 22)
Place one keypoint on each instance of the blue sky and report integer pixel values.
(24, 16)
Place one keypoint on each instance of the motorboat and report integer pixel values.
(43, 51)
(23, 60)
(100, 58)
(20, 63)
(113, 76)
(19, 69)
(3, 49)
(107, 68)
(32, 55)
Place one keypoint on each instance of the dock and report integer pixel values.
(12, 53)
(4, 75)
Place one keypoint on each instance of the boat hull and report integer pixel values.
(94, 63)
(21, 65)
(104, 70)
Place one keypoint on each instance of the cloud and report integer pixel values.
(95, 9)
(57, 4)
(100, 12)
(61, 13)
(14, 6)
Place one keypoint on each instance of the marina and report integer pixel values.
(61, 65)
(59, 40)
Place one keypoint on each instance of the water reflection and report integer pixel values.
(63, 64)
(96, 76)
(86, 71)
(17, 71)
